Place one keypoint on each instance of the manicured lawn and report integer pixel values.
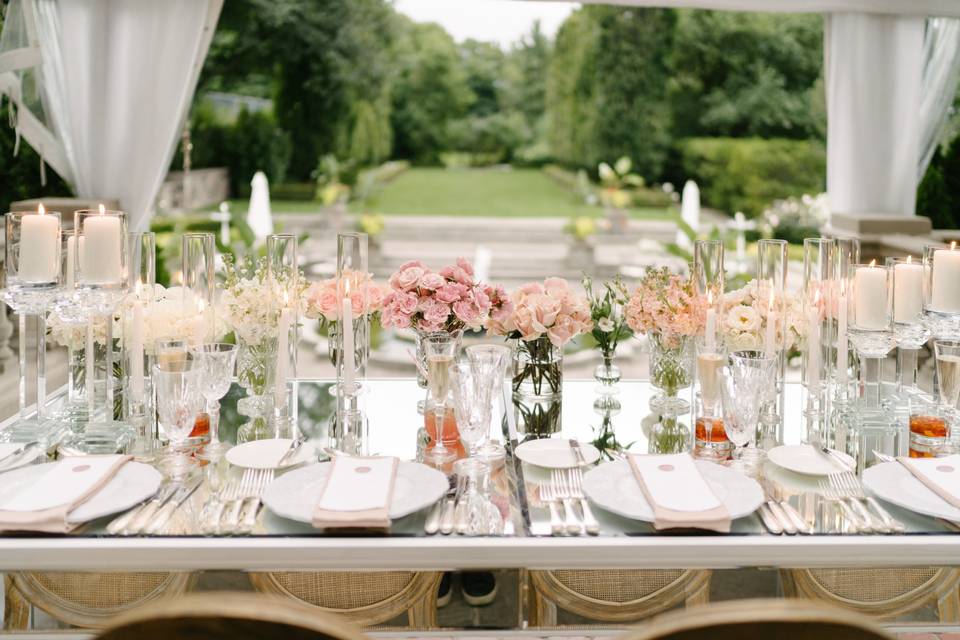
(507, 193)
(427, 191)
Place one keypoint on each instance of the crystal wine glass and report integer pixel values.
(216, 361)
(947, 353)
(747, 384)
(178, 402)
(491, 362)
(440, 351)
(471, 404)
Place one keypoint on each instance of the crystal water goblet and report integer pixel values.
(440, 351)
(471, 405)
(747, 384)
(947, 353)
(178, 402)
(491, 361)
(217, 361)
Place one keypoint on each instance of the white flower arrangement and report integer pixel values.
(251, 300)
(745, 318)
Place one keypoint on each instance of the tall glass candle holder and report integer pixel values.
(817, 296)
(708, 280)
(68, 325)
(283, 269)
(771, 288)
(941, 295)
(139, 410)
(353, 323)
(908, 323)
(199, 257)
(33, 276)
(101, 272)
(846, 252)
(870, 309)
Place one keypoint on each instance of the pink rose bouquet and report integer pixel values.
(448, 300)
(549, 309)
(665, 303)
(323, 299)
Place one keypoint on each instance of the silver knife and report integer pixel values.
(172, 505)
(447, 520)
(432, 525)
(794, 515)
(147, 511)
(589, 520)
(18, 450)
(292, 451)
(769, 521)
(121, 522)
(831, 455)
(577, 453)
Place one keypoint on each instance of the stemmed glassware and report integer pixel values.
(947, 353)
(747, 385)
(491, 362)
(216, 361)
(909, 328)
(471, 404)
(870, 310)
(178, 402)
(440, 350)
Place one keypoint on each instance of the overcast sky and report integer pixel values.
(503, 21)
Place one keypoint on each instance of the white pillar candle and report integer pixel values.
(71, 259)
(710, 331)
(870, 298)
(770, 331)
(346, 328)
(283, 355)
(945, 288)
(100, 257)
(907, 291)
(136, 350)
(39, 239)
(842, 347)
(813, 345)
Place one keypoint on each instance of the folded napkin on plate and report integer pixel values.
(940, 475)
(44, 504)
(358, 493)
(678, 494)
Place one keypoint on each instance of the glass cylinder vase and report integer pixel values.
(671, 362)
(537, 368)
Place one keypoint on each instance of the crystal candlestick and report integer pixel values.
(33, 270)
(353, 320)
(870, 310)
(283, 270)
(817, 296)
(909, 328)
(772, 283)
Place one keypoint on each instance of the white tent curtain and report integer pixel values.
(118, 77)
(873, 67)
(941, 70)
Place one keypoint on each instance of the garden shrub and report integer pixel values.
(747, 174)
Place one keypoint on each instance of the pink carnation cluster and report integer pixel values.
(550, 308)
(323, 298)
(665, 303)
(446, 301)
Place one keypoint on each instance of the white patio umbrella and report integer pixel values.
(259, 216)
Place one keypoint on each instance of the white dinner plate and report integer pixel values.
(892, 482)
(803, 458)
(555, 453)
(133, 483)
(614, 487)
(294, 495)
(265, 454)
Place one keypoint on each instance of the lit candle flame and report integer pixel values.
(953, 245)
(873, 263)
(40, 209)
(103, 209)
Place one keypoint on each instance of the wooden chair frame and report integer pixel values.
(941, 588)
(418, 599)
(547, 593)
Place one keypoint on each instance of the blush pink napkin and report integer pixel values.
(357, 493)
(678, 494)
(74, 480)
(940, 475)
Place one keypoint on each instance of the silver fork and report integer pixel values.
(230, 520)
(849, 483)
(547, 495)
(870, 522)
(576, 491)
(834, 495)
(260, 482)
(562, 491)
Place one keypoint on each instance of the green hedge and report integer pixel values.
(747, 174)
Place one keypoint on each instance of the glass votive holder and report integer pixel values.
(929, 429)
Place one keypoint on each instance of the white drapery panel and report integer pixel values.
(895, 7)
(941, 69)
(118, 77)
(873, 66)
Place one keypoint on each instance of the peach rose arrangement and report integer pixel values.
(448, 300)
(322, 299)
